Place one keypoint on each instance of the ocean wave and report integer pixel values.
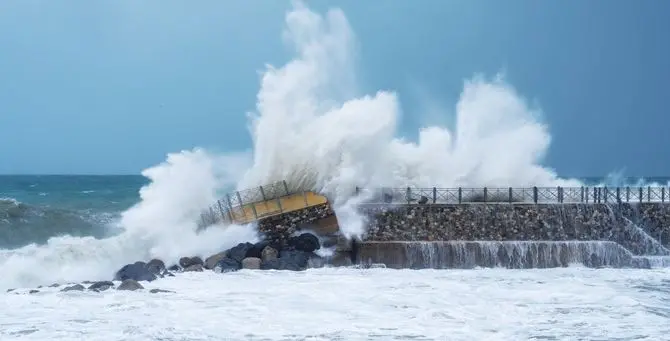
(22, 224)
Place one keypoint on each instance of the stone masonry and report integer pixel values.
(638, 227)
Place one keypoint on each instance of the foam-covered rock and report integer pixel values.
(101, 285)
(227, 265)
(186, 262)
(130, 284)
(137, 271)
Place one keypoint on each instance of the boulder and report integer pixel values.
(299, 258)
(257, 249)
(227, 265)
(185, 262)
(306, 242)
(130, 284)
(252, 263)
(55, 285)
(239, 252)
(137, 271)
(269, 253)
(174, 267)
(211, 261)
(33, 291)
(101, 285)
(76, 287)
(279, 264)
(155, 291)
(194, 268)
(156, 267)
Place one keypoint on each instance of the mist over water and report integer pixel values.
(310, 129)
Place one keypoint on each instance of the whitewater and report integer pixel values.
(312, 128)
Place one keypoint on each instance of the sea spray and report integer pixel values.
(509, 254)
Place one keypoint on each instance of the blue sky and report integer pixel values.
(109, 87)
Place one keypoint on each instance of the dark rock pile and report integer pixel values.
(297, 253)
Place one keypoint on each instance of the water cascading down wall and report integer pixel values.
(616, 228)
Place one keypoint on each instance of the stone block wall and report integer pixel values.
(644, 229)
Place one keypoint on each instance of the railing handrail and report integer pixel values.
(238, 200)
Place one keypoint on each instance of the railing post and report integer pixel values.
(434, 195)
(618, 195)
(485, 194)
(281, 209)
(357, 190)
(408, 195)
(304, 196)
(606, 192)
(596, 198)
(648, 193)
(285, 187)
(535, 194)
(262, 193)
(587, 192)
(218, 202)
(253, 209)
(640, 194)
(627, 193)
(582, 195)
(558, 194)
(460, 195)
(662, 194)
(510, 195)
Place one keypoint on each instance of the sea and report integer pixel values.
(574, 303)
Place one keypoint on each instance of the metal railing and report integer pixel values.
(531, 195)
(263, 201)
(254, 203)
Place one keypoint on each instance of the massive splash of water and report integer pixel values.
(312, 130)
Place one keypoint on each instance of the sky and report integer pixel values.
(111, 87)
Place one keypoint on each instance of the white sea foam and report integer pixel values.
(348, 304)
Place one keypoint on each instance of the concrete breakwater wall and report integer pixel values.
(642, 229)
(512, 255)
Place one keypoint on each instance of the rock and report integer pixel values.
(55, 285)
(299, 258)
(239, 252)
(130, 284)
(76, 287)
(306, 242)
(175, 268)
(156, 267)
(257, 249)
(269, 253)
(315, 262)
(227, 265)
(211, 261)
(101, 286)
(279, 264)
(194, 268)
(137, 271)
(34, 291)
(252, 263)
(155, 291)
(185, 262)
